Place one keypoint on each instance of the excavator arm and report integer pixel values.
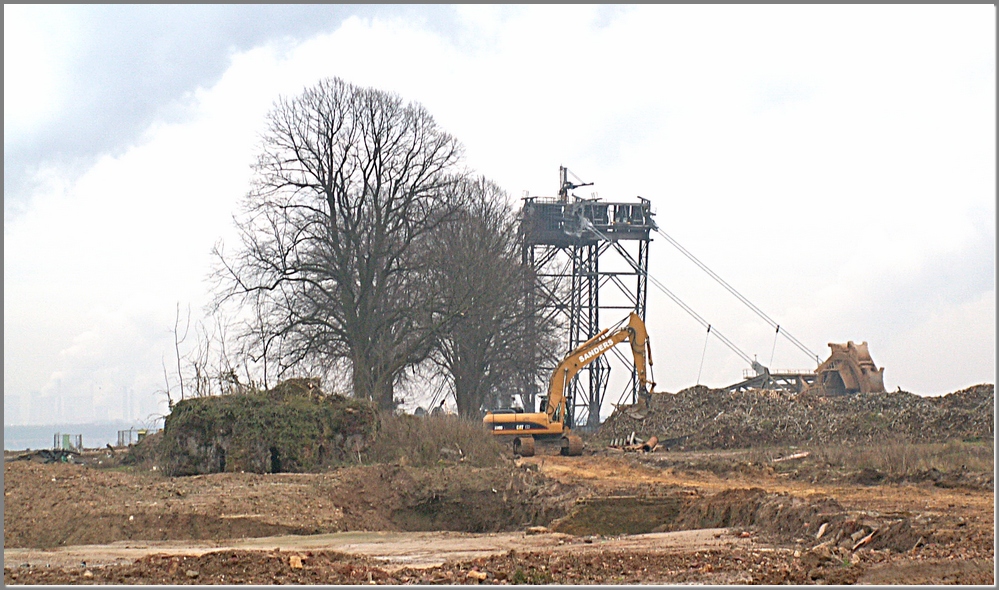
(525, 428)
(634, 332)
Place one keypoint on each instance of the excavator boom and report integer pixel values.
(550, 423)
(634, 332)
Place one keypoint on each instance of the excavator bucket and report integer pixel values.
(849, 369)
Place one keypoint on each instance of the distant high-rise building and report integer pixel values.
(11, 409)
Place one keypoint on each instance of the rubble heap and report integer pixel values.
(702, 418)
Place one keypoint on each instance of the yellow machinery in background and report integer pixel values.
(524, 428)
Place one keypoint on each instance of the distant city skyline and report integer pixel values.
(57, 407)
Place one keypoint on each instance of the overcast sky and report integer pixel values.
(835, 164)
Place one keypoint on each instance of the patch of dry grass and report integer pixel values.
(430, 440)
(900, 460)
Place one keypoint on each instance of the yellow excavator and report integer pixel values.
(526, 427)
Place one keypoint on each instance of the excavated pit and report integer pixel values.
(73, 504)
(619, 515)
(780, 517)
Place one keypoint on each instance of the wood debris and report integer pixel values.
(699, 418)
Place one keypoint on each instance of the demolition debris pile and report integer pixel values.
(700, 418)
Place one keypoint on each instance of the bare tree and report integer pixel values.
(200, 361)
(177, 341)
(166, 380)
(485, 347)
(348, 182)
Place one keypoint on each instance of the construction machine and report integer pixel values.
(849, 369)
(524, 428)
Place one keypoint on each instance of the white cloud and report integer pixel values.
(809, 155)
(955, 348)
(37, 40)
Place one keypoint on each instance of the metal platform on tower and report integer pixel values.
(589, 256)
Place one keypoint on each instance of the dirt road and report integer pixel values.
(397, 549)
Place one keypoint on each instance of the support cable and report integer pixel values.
(676, 299)
(703, 352)
(437, 397)
(774, 348)
(701, 320)
(738, 295)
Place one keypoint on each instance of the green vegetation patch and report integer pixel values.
(291, 428)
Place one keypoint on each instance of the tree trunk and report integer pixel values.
(384, 393)
(464, 397)
(373, 381)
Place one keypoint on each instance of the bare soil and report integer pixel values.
(617, 518)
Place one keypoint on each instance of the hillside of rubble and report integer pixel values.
(700, 418)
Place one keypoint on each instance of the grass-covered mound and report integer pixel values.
(291, 428)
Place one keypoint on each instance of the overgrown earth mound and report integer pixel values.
(294, 427)
(701, 418)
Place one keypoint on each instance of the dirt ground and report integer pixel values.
(605, 517)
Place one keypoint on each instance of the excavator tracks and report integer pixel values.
(572, 445)
(523, 446)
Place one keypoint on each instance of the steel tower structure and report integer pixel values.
(587, 255)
